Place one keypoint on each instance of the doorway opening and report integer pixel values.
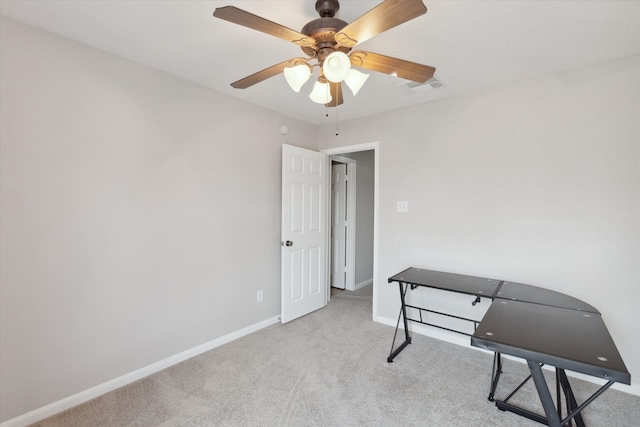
(353, 221)
(343, 222)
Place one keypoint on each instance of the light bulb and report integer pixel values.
(321, 93)
(355, 79)
(297, 76)
(336, 66)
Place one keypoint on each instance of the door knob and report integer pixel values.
(287, 243)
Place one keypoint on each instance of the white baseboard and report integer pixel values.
(93, 392)
(454, 338)
(363, 284)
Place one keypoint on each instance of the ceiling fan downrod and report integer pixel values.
(327, 8)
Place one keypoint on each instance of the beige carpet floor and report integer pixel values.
(329, 368)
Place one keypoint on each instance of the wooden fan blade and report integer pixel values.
(393, 66)
(336, 94)
(267, 73)
(255, 22)
(386, 15)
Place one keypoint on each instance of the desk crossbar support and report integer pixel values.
(440, 327)
(406, 320)
(421, 309)
(573, 409)
(553, 418)
(584, 404)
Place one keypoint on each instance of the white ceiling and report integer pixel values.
(472, 44)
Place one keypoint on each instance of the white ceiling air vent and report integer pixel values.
(429, 85)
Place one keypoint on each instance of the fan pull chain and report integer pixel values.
(336, 120)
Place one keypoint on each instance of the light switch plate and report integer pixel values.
(402, 206)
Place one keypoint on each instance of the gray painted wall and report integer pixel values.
(536, 182)
(140, 215)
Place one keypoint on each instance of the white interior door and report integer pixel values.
(338, 225)
(304, 236)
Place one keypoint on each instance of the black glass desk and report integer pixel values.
(545, 335)
(543, 327)
(479, 287)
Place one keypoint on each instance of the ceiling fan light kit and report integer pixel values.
(355, 80)
(336, 66)
(328, 41)
(297, 76)
(321, 93)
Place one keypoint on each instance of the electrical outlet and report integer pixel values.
(259, 296)
(402, 206)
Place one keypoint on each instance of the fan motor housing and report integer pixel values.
(323, 31)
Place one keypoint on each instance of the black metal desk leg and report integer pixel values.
(572, 405)
(545, 395)
(403, 314)
(495, 375)
(404, 311)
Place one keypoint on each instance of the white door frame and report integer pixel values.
(350, 283)
(352, 149)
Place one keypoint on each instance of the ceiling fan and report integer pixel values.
(327, 41)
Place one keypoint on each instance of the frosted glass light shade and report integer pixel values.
(321, 93)
(297, 76)
(355, 79)
(336, 66)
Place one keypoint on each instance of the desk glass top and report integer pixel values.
(527, 293)
(471, 285)
(566, 338)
